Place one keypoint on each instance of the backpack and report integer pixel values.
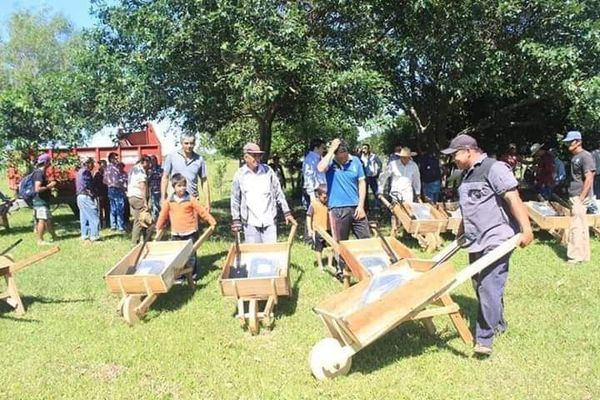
(26, 189)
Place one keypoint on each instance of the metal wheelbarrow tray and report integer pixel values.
(555, 218)
(422, 221)
(161, 263)
(355, 319)
(267, 279)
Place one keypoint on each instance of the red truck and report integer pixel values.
(131, 146)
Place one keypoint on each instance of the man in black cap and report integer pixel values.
(492, 213)
(346, 193)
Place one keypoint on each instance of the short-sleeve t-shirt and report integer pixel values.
(487, 220)
(342, 182)
(319, 214)
(191, 168)
(41, 199)
(136, 178)
(581, 164)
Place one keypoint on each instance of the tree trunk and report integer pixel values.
(265, 124)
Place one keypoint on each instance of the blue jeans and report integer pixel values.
(155, 204)
(116, 197)
(432, 190)
(88, 217)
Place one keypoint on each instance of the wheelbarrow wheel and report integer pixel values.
(130, 306)
(327, 361)
(253, 324)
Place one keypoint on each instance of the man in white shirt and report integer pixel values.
(137, 194)
(255, 192)
(404, 175)
(405, 179)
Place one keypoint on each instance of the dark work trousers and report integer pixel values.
(342, 222)
(192, 261)
(373, 185)
(489, 287)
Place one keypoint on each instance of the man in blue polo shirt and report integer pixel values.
(189, 164)
(346, 192)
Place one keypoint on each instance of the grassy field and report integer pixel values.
(71, 344)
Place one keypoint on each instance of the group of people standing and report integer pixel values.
(335, 196)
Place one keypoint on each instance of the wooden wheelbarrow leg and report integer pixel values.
(458, 321)
(11, 295)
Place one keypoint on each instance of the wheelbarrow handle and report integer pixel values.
(292, 233)
(205, 235)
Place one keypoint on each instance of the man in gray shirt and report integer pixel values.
(255, 192)
(492, 213)
(189, 164)
(581, 194)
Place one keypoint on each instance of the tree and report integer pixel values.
(40, 96)
(218, 65)
(481, 67)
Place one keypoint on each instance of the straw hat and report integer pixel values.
(535, 148)
(405, 152)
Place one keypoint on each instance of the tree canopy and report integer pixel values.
(218, 65)
(42, 96)
(283, 72)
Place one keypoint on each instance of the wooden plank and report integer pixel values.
(457, 320)
(377, 318)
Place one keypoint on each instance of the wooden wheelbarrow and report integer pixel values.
(366, 257)
(422, 221)
(451, 211)
(409, 290)
(9, 268)
(254, 272)
(160, 264)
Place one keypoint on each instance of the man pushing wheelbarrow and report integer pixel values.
(493, 212)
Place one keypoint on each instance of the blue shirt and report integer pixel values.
(83, 181)
(192, 169)
(312, 177)
(342, 182)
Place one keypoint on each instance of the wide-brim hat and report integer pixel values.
(405, 152)
(252, 148)
(145, 218)
(535, 148)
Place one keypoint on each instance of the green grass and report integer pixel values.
(71, 343)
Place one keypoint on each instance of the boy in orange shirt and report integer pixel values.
(318, 215)
(183, 210)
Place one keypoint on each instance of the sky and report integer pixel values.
(77, 11)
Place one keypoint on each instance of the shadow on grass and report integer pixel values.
(547, 239)
(411, 339)
(287, 305)
(18, 319)
(179, 295)
(29, 300)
